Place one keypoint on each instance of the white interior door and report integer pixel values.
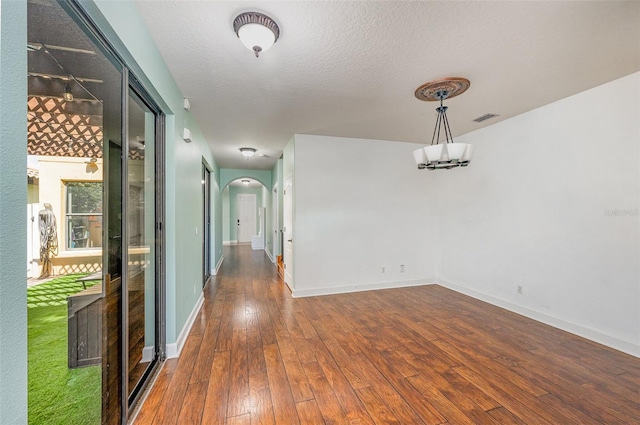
(287, 213)
(246, 216)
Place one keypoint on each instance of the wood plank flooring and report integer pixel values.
(420, 355)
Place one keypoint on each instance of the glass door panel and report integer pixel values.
(74, 130)
(141, 243)
(94, 198)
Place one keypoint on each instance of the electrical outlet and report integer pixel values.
(401, 268)
(520, 291)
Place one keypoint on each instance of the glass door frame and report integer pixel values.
(77, 12)
(132, 85)
(206, 223)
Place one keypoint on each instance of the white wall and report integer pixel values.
(360, 205)
(550, 203)
(289, 212)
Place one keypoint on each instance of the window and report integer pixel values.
(84, 214)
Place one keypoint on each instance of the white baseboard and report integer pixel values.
(585, 332)
(300, 293)
(174, 349)
(147, 354)
(269, 254)
(215, 272)
(227, 243)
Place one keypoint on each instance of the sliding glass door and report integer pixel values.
(95, 212)
(132, 347)
(141, 271)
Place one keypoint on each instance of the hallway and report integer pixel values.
(402, 356)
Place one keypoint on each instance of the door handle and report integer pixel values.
(290, 240)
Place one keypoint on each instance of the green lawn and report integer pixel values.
(57, 394)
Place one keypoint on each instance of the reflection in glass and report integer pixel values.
(84, 215)
(73, 111)
(141, 240)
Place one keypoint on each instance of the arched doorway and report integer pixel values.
(246, 214)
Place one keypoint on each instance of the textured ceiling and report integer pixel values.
(351, 68)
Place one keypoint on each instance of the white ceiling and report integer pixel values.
(350, 68)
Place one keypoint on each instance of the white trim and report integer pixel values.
(268, 252)
(174, 349)
(298, 296)
(585, 332)
(147, 354)
(215, 272)
(298, 293)
(227, 243)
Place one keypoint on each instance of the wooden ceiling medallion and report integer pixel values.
(444, 88)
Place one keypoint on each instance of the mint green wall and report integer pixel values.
(233, 207)
(13, 200)
(125, 29)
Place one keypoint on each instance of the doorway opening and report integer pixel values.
(245, 214)
(206, 223)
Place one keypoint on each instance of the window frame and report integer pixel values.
(68, 215)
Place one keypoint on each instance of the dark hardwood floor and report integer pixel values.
(420, 355)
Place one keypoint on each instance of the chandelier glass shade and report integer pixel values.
(445, 154)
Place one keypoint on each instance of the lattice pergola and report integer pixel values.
(54, 132)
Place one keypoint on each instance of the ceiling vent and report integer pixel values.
(485, 117)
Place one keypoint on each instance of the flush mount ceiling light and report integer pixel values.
(247, 152)
(445, 155)
(257, 32)
(246, 182)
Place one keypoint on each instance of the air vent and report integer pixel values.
(485, 117)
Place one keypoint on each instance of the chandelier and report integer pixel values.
(445, 155)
